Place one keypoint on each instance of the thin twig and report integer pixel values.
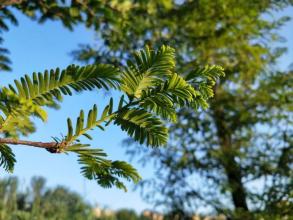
(50, 146)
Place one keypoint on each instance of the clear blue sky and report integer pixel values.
(36, 47)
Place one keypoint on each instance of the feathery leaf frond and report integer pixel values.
(31, 93)
(142, 126)
(5, 15)
(149, 69)
(7, 158)
(166, 97)
(205, 78)
(43, 89)
(107, 173)
(91, 122)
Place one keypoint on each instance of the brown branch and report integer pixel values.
(4, 3)
(52, 147)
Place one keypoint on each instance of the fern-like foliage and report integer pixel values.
(163, 100)
(7, 158)
(149, 69)
(29, 94)
(142, 126)
(96, 167)
(45, 88)
(152, 93)
(5, 16)
(203, 80)
(82, 126)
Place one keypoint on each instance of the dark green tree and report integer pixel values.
(126, 214)
(41, 203)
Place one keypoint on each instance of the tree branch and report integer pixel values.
(52, 147)
(4, 3)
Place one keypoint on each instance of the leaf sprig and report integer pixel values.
(151, 90)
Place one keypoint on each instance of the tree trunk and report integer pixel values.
(227, 159)
(233, 173)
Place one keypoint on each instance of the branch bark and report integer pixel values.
(52, 147)
(5, 3)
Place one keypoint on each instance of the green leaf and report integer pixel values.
(121, 102)
(74, 12)
(70, 129)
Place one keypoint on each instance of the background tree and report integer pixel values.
(125, 214)
(215, 156)
(92, 13)
(40, 202)
(37, 201)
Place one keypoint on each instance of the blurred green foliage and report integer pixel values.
(42, 203)
(92, 13)
(39, 202)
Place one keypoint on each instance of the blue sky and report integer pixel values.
(37, 47)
